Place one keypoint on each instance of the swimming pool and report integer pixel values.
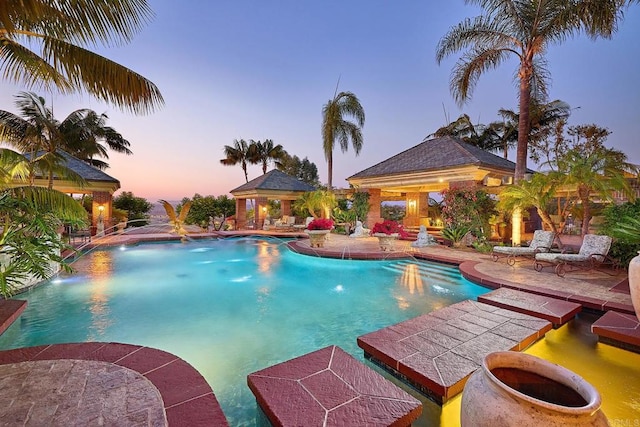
(231, 307)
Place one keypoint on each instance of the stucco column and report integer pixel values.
(412, 209)
(285, 207)
(375, 202)
(101, 209)
(241, 213)
(261, 212)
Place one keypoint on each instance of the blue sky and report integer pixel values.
(264, 69)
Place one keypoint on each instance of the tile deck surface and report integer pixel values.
(554, 310)
(437, 352)
(329, 387)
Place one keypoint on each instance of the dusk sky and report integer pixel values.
(264, 69)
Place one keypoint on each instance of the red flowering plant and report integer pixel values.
(467, 207)
(389, 227)
(320, 224)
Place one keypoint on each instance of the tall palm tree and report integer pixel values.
(336, 127)
(37, 134)
(42, 136)
(45, 44)
(265, 152)
(526, 30)
(87, 136)
(238, 153)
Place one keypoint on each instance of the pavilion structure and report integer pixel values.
(274, 185)
(95, 182)
(430, 167)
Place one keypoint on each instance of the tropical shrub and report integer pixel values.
(468, 208)
(389, 227)
(455, 233)
(622, 223)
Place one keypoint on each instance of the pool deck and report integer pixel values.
(593, 290)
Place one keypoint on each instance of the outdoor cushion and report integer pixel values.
(541, 242)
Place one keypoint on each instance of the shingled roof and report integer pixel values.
(274, 180)
(85, 170)
(436, 154)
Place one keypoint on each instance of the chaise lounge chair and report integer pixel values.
(541, 242)
(593, 254)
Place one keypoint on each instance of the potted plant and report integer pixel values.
(387, 232)
(318, 230)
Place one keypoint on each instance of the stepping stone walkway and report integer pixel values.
(554, 310)
(329, 387)
(618, 329)
(437, 352)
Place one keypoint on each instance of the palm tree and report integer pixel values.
(336, 127)
(239, 153)
(41, 135)
(264, 152)
(538, 192)
(37, 134)
(526, 30)
(596, 173)
(61, 33)
(86, 136)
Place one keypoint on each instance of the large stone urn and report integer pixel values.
(317, 237)
(517, 389)
(386, 241)
(634, 283)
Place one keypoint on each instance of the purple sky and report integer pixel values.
(264, 69)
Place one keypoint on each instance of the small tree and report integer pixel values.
(137, 207)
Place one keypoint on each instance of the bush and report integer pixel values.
(617, 217)
(137, 207)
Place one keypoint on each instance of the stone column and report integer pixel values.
(375, 201)
(241, 213)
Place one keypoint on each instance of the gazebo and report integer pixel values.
(431, 166)
(97, 183)
(274, 185)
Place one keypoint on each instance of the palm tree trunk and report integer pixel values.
(330, 172)
(586, 210)
(523, 122)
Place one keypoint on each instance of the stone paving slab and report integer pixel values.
(438, 351)
(74, 392)
(618, 329)
(185, 397)
(329, 387)
(556, 311)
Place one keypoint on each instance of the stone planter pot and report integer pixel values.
(317, 237)
(386, 241)
(634, 283)
(517, 389)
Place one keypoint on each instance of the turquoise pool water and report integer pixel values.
(231, 307)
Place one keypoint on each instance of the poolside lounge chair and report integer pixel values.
(593, 254)
(285, 223)
(541, 242)
(305, 225)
